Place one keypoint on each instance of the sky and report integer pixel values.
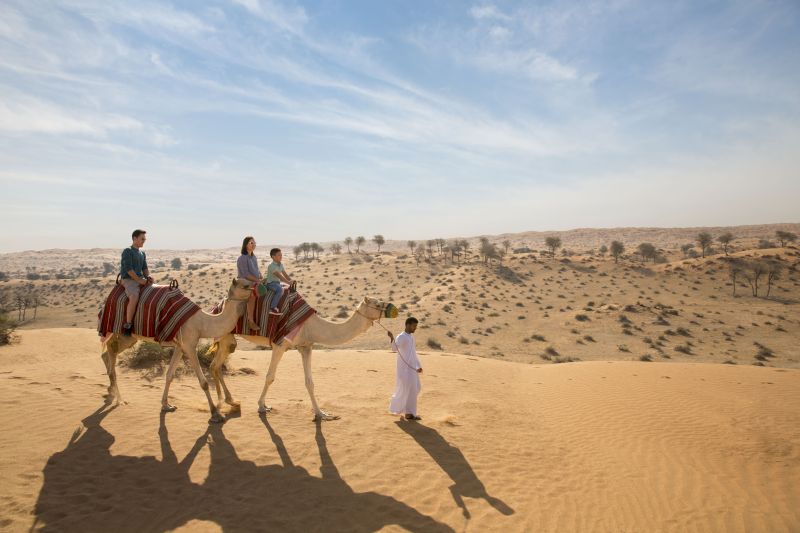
(205, 121)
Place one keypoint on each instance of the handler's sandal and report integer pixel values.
(127, 329)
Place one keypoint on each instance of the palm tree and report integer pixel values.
(360, 240)
(347, 242)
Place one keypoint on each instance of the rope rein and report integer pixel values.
(378, 321)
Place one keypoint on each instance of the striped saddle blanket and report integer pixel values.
(294, 311)
(160, 313)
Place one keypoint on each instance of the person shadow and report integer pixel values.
(87, 488)
(450, 459)
(286, 497)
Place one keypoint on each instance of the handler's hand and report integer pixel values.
(419, 371)
(390, 335)
(150, 279)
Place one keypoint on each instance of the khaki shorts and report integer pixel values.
(131, 288)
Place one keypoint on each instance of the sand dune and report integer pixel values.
(591, 446)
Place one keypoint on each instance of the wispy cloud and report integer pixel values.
(533, 102)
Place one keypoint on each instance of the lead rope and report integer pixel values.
(378, 321)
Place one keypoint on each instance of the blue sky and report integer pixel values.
(205, 121)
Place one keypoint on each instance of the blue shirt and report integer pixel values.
(247, 265)
(271, 269)
(133, 259)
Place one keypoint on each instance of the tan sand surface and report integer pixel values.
(503, 446)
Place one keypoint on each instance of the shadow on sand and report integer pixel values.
(86, 488)
(455, 465)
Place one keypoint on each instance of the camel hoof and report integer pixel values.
(323, 416)
(216, 419)
(264, 409)
(168, 408)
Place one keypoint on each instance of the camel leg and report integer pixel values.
(189, 347)
(225, 346)
(173, 364)
(319, 414)
(277, 353)
(113, 347)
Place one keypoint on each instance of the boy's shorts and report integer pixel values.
(131, 287)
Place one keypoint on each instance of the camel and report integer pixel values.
(200, 325)
(315, 330)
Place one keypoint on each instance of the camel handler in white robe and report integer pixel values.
(404, 399)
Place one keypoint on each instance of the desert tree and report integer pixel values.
(616, 250)
(553, 244)
(704, 239)
(420, 252)
(336, 248)
(412, 245)
(360, 240)
(297, 250)
(774, 270)
(686, 248)
(6, 325)
(316, 249)
(306, 247)
(725, 240)
(506, 245)
(108, 268)
(430, 243)
(647, 251)
(454, 247)
(379, 240)
(464, 245)
(753, 272)
(347, 242)
(785, 237)
(735, 269)
(603, 250)
(176, 263)
(488, 251)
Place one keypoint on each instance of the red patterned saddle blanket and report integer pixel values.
(160, 313)
(294, 311)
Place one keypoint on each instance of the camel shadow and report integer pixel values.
(86, 488)
(452, 461)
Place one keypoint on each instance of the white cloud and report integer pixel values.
(289, 19)
(487, 12)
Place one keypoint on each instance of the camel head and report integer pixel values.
(374, 309)
(240, 290)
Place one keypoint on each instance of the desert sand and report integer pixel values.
(591, 446)
(678, 409)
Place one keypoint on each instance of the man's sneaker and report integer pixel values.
(127, 329)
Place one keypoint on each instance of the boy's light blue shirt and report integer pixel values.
(271, 269)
